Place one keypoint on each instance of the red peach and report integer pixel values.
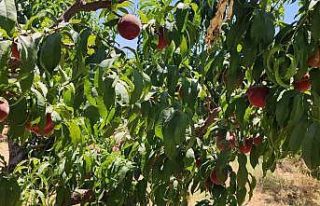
(4, 109)
(303, 84)
(257, 140)
(257, 95)
(46, 130)
(314, 60)
(246, 146)
(129, 26)
(162, 42)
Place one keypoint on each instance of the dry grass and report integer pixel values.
(290, 184)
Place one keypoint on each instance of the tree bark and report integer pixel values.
(81, 5)
(16, 154)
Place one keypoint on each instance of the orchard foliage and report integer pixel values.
(210, 83)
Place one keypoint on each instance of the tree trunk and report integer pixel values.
(16, 152)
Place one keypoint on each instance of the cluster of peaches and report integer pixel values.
(48, 127)
(257, 95)
(218, 176)
(129, 27)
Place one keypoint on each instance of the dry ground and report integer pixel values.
(290, 184)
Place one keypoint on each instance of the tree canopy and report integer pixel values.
(212, 83)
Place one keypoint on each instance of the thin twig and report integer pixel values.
(200, 131)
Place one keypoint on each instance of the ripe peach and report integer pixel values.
(257, 95)
(4, 109)
(218, 177)
(246, 146)
(303, 84)
(198, 162)
(214, 178)
(314, 60)
(257, 140)
(46, 130)
(15, 54)
(162, 42)
(49, 126)
(129, 26)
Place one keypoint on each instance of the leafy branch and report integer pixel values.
(81, 5)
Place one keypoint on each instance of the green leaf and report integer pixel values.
(189, 92)
(314, 76)
(109, 94)
(101, 107)
(16, 131)
(262, 29)
(182, 17)
(122, 93)
(252, 186)
(176, 126)
(50, 52)
(173, 130)
(241, 195)
(28, 54)
(242, 175)
(26, 82)
(8, 15)
(63, 196)
(69, 95)
(241, 104)
(301, 49)
(189, 159)
(254, 156)
(18, 112)
(297, 110)
(10, 191)
(138, 86)
(38, 109)
(315, 26)
(4, 57)
(75, 133)
(283, 110)
(88, 88)
(232, 75)
(315, 106)
(184, 46)
(172, 78)
(308, 144)
(297, 135)
(164, 116)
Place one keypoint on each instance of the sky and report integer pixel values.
(290, 11)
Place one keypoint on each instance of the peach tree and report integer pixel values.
(214, 87)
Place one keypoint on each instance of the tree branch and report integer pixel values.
(81, 5)
(200, 131)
